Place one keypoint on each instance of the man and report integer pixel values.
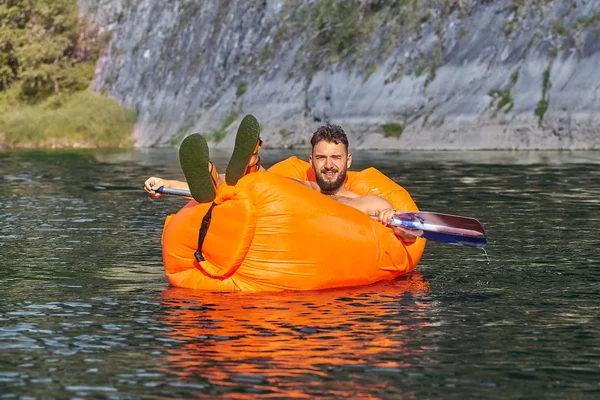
(329, 159)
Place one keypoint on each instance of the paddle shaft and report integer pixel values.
(444, 228)
(176, 192)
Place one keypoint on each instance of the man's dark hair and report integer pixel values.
(330, 133)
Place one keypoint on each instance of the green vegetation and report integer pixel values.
(338, 30)
(510, 27)
(358, 32)
(284, 133)
(266, 53)
(281, 33)
(523, 8)
(398, 72)
(426, 119)
(438, 60)
(38, 46)
(230, 118)
(370, 71)
(579, 45)
(392, 130)
(559, 28)
(554, 52)
(593, 21)
(220, 134)
(542, 105)
(241, 89)
(47, 60)
(181, 134)
(574, 31)
(421, 66)
(84, 120)
(503, 96)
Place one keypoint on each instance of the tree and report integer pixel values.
(38, 45)
(14, 15)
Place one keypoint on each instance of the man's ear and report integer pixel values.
(310, 160)
(349, 161)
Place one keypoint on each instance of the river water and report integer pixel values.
(86, 311)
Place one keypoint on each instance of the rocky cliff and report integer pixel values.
(405, 74)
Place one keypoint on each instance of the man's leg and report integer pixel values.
(194, 157)
(245, 158)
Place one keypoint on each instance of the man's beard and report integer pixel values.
(331, 187)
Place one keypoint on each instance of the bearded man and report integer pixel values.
(330, 159)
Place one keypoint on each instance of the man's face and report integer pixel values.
(330, 162)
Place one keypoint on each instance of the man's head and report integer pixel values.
(330, 158)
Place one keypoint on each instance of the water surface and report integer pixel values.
(86, 310)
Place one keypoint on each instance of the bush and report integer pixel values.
(241, 89)
(83, 120)
(393, 130)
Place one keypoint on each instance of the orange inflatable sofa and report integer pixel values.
(269, 233)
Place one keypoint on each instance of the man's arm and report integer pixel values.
(384, 211)
(153, 183)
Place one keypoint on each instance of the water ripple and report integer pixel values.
(86, 310)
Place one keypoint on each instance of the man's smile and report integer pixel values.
(330, 174)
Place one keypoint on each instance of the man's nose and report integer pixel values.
(328, 163)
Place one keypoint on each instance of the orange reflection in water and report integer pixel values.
(296, 344)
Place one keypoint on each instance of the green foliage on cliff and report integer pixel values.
(502, 98)
(362, 32)
(337, 30)
(241, 88)
(392, 130)
(220, 134)
(47, 58)
(542, 106)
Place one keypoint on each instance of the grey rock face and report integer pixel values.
(481, 75)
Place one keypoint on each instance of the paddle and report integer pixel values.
(444, 228)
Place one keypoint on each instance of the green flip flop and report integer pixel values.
(193, 157)
(245, 142)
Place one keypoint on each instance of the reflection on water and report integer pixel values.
(86, 310)
(296, 343)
